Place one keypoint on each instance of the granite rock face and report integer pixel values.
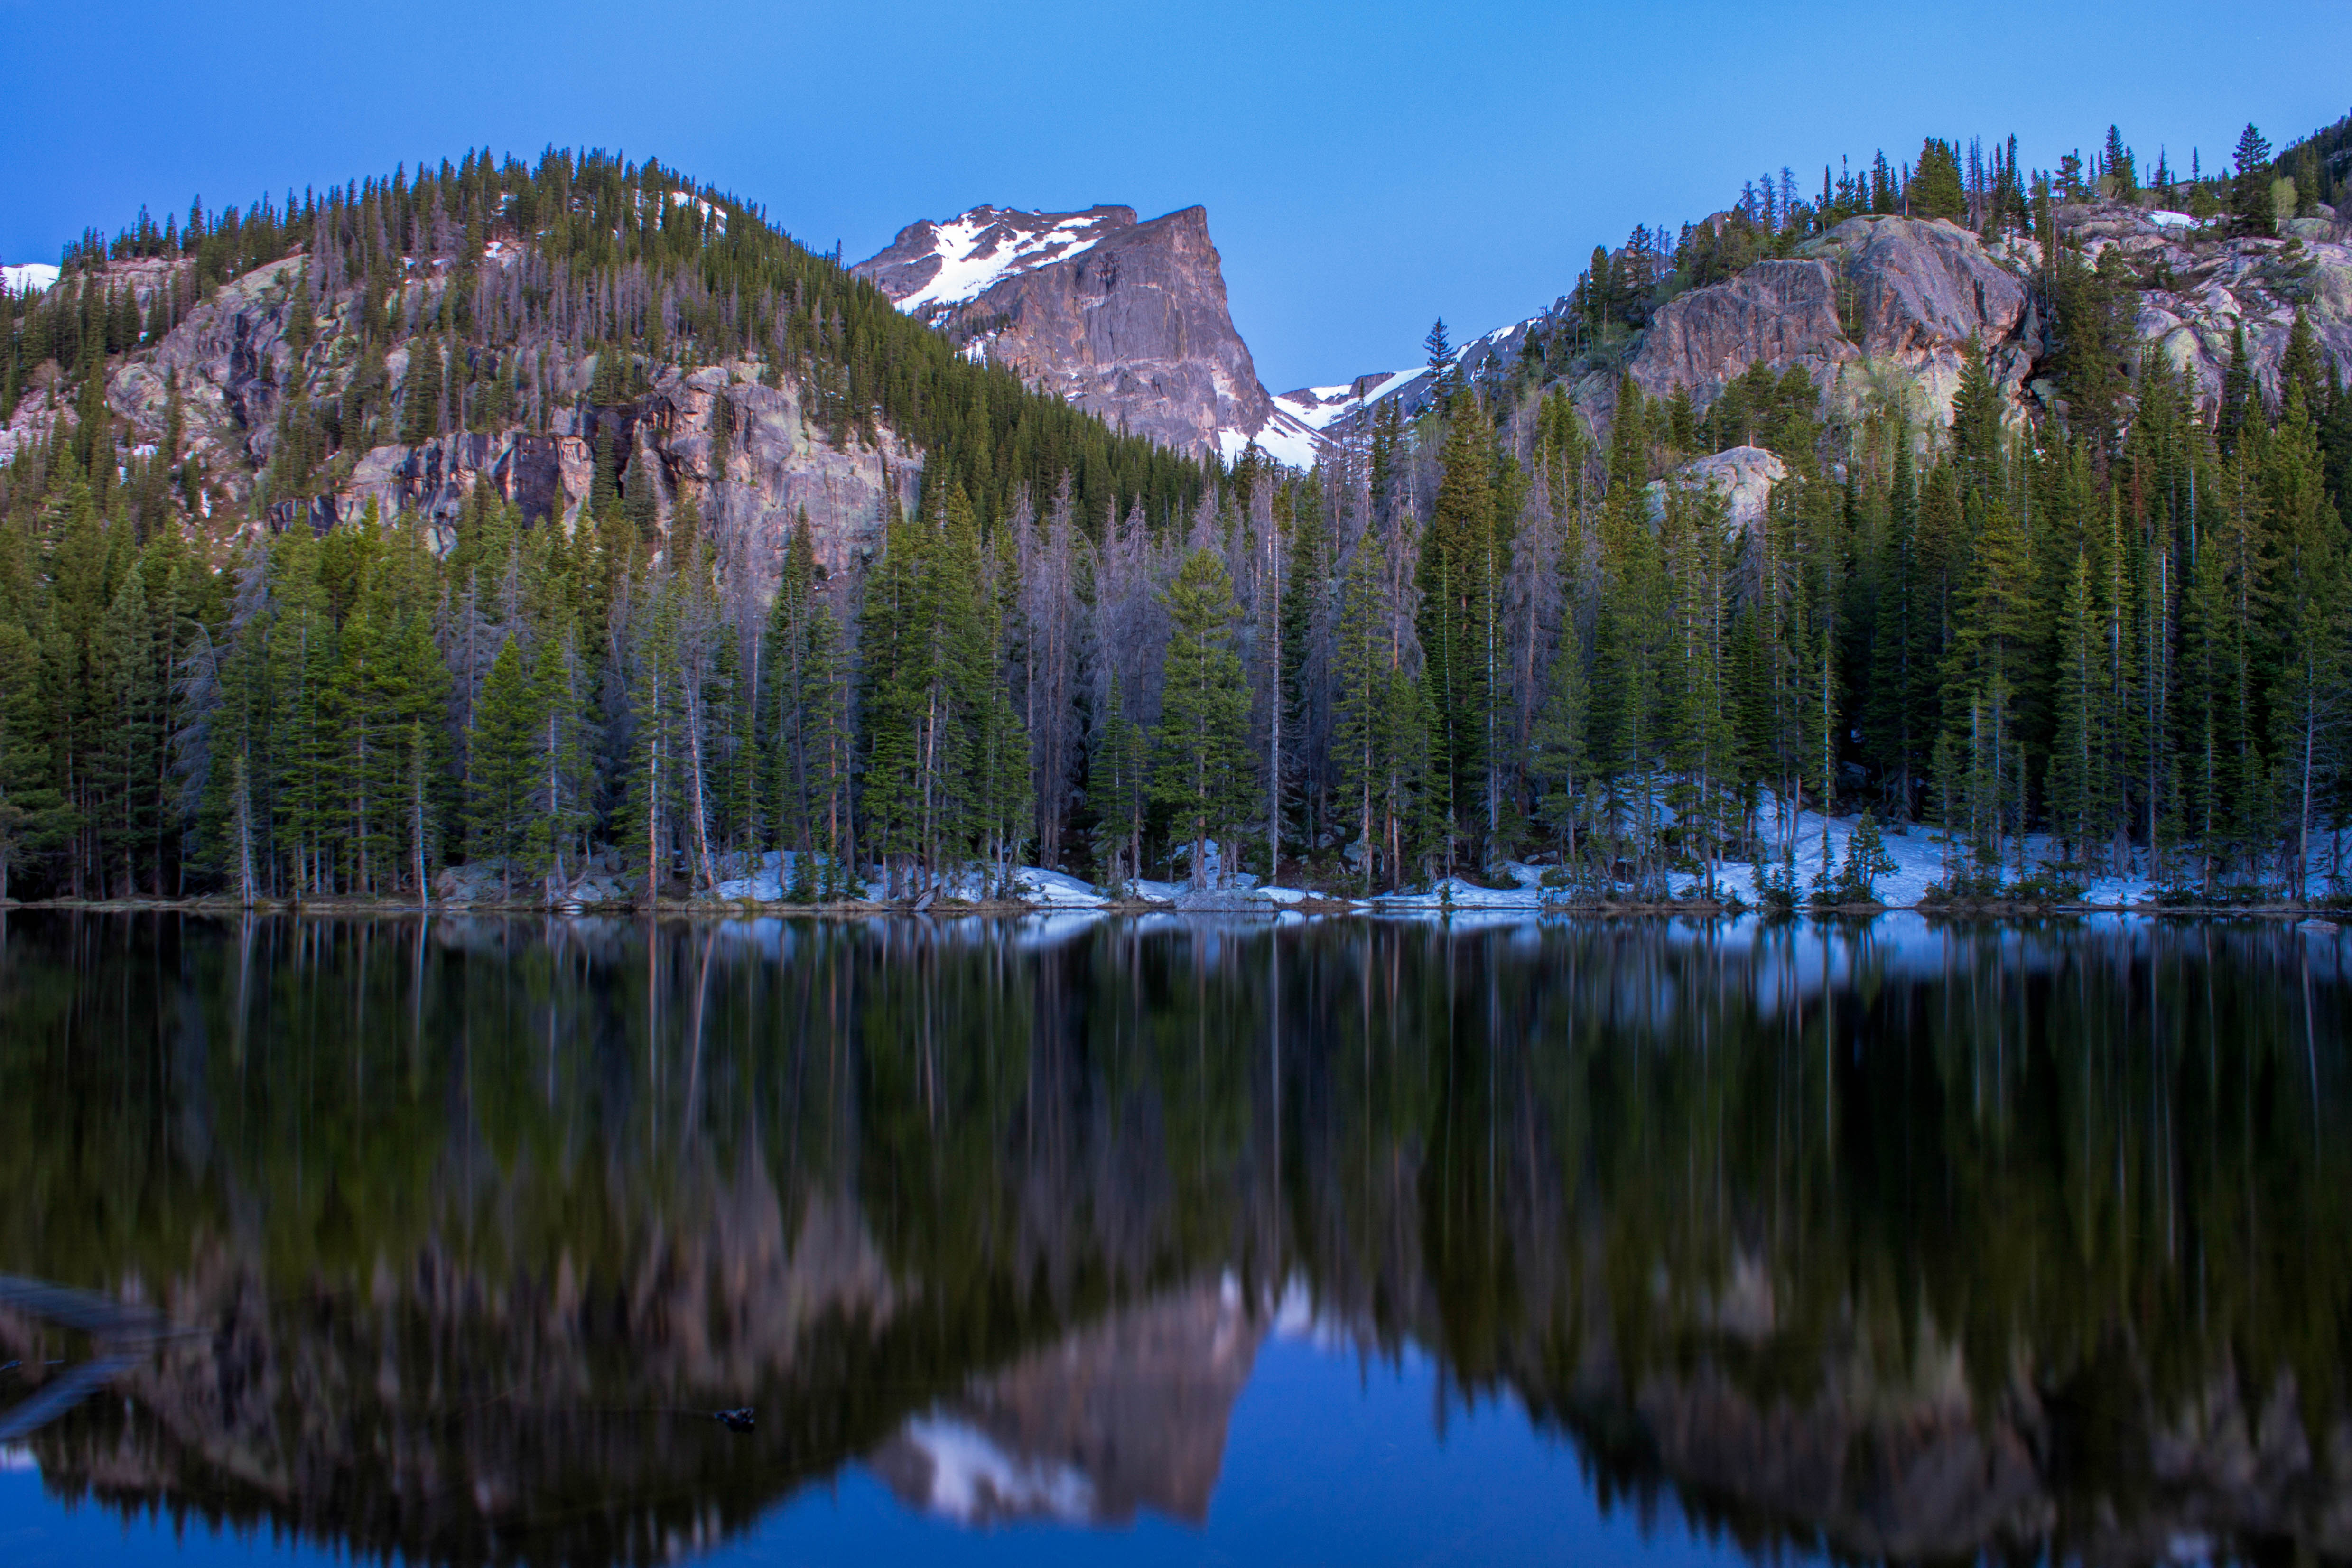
(933, 269)
(1744, 476)
(1781, 312)
(1877, 305)
(744, 445)
(1124, 320)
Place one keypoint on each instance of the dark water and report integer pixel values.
(1058, 1241)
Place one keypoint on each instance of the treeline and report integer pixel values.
(1463, 641)
(1986, 189)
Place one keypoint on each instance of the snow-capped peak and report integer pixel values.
(931, 268)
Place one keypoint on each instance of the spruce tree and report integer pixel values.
(1200, 764)
(504, 745)
(2250, 185)
(1457, 624)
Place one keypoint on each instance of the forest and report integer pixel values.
(2115, 641)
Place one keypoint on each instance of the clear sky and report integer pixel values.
(1366, 166)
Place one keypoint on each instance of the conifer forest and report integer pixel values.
(2106, 631)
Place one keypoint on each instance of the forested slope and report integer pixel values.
(567, 517)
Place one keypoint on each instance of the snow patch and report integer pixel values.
(1453, 893)
(27, 277)
(1056, 889)
(979, 250)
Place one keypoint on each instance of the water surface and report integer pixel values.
(1072, 1240)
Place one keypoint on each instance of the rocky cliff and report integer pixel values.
(1879, 307)
(748, 448)
(1124, 320)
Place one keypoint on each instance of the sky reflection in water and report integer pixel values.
(1178, 1243)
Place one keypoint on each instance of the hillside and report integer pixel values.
(568, 534)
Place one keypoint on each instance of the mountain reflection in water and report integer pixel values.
(1878, 1241)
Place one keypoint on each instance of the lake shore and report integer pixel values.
(1238, 903)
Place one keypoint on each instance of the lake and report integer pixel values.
(1071, 1240)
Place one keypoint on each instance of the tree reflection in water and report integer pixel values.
(1885, 1239)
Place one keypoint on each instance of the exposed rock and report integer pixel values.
(1124, 320)
(773, 465)
(1745, 476)
(933, 269)
(1923, 292)
(235, 369)
(1781, 312)
(1878, 305)
(232, 360)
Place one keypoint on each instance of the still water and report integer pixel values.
(1070, 1240)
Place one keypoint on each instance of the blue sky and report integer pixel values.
(1366, 166)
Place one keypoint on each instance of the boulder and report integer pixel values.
(1744, 476)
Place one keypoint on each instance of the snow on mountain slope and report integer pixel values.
(1322, 409)
(1286, 437)
(1074, 330)
(930, 268)
(27, 277)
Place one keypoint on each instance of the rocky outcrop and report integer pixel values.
(1878, 305)
(932, 269)
(746, 446)
(1781, 312)
(1127, 320)
(2197, 287)
(1922, 291)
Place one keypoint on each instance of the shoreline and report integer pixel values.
(1239, 906)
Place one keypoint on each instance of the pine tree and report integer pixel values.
(2250, 185)
(1457, 622)
(420, 396)
(505, 770)
(1200, 764)
(1936, 191)
(1117, 790)
(2314, 613)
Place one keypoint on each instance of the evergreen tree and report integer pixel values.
(1936, 191)
(506, 734)
(1200, 763)
(1457, 622)
(2250, 185)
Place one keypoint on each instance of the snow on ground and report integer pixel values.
(1921, 858)
(1058, 889)
(1453, 893)
(974, 256)
(27, 277)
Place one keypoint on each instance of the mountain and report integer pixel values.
(1123, 318)
(283, 357)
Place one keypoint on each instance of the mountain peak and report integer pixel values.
(933, 267)
(1124, 319)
